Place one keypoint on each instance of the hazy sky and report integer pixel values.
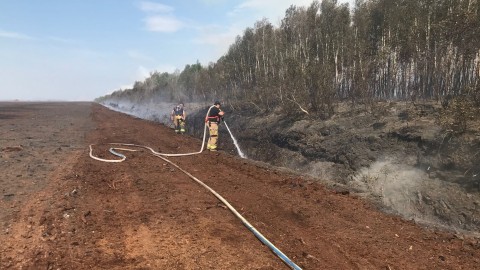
(83, 49)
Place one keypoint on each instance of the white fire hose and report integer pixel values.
(247, 224)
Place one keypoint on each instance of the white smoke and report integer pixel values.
(158, 111)
(394, 183)
(413, 194)
(153, 111)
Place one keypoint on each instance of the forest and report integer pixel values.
(326, 53)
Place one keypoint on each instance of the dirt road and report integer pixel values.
(60, 209)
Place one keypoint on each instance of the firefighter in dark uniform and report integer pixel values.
(178, 117)
(213, 119)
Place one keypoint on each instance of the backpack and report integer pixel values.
(178, 111)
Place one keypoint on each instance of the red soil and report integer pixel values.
(60, 209)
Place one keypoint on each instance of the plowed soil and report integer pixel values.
(61, 209)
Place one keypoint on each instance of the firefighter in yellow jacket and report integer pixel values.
(213, 119)
(178, 116)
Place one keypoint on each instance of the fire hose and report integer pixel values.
(163, 156)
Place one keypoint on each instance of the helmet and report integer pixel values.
(216, 103)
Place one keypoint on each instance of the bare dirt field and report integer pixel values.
(60, 209)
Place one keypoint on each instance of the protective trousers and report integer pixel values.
(212, 141)
(179, 124)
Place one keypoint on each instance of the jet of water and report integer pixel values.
(240, 153)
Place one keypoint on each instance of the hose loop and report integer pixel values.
(163, 156)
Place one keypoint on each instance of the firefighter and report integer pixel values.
(213, 119)
(178, 117)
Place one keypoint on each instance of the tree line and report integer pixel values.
(326, 52)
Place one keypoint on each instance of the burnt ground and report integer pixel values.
(397, 154)
(60, 209)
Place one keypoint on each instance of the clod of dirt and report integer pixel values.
(12, 148)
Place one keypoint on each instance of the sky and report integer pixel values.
(78, 50)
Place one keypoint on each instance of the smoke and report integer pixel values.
(395, 183)
(413, 194)
(157, 111)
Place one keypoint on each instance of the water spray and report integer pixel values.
(240, 153)
(163, 156)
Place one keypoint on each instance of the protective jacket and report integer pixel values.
(178, 111)
(214, 115)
